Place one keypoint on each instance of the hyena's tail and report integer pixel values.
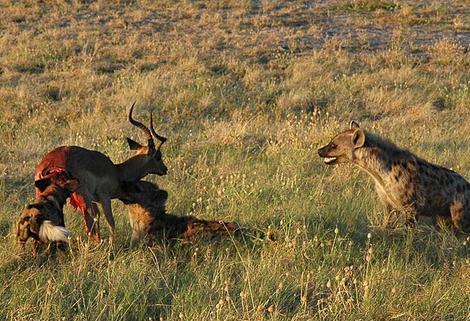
(49, 232)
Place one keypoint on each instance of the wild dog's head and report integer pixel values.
(40, 219)
(143, 193)
(343, 146)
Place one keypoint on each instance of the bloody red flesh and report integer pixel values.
(56, 162)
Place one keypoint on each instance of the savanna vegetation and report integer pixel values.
(246, 91)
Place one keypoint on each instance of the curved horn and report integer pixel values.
(140, 125)
(160, 138)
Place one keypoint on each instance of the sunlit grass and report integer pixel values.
(246, 92)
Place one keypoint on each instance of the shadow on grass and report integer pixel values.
(436, 249)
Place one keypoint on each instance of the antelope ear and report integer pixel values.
(42, 184)
(354, 124)
(358, 138)
(72, 184)
(133, 145)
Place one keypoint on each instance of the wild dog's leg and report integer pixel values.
(134, 237)
(34, 247)
(138, 234)
(108, 213)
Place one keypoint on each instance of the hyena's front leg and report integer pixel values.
(411, 215)
(410, 222)
(390, 218)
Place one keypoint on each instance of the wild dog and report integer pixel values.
(148, 218)
(43, 220)
(99, 177)
(405, 183)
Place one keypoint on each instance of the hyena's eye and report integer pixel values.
(333, 146)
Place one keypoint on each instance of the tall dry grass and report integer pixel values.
(246, 92)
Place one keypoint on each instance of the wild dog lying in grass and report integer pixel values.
(148, 218)
(43, 220)
(405, 183)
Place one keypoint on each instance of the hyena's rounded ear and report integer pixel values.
(358, 138)
(354, 124)
(42, 184)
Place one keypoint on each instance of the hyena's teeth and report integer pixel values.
(329, 160)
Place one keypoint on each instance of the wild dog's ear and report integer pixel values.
(37, 206)
(353, 124)
(42, 184)
(72, 184)
(133, 145)
(358, 138)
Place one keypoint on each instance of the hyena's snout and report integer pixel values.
(321, 151)
(330, 154)
(324, 151)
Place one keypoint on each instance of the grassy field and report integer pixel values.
(246, 92)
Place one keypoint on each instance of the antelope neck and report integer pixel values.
(132, 169)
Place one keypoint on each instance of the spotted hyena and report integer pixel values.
(405, 183)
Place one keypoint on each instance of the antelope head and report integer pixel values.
(152, 162)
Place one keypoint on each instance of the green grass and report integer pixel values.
(246, 92)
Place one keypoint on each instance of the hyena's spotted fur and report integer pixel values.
(404, 182)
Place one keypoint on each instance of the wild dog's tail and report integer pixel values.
(195, 227)
(49, 232)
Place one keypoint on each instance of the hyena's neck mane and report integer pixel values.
(378, 155)
(374, 141)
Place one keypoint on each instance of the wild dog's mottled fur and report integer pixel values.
(43, 220)
(404, 182)
(148, 218)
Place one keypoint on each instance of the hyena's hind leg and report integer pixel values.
(460, 215)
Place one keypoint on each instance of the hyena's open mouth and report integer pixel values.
(330, 160)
